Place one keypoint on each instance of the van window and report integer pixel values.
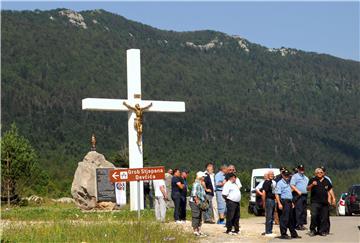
(257, 180)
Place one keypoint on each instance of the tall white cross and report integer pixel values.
(134, 97)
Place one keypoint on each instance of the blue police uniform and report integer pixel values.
(300, 181)
(283, 189)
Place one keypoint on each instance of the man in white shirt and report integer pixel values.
(232, 169)
(232, 196)
(160, 197)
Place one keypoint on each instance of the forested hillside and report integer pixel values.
(245, 103)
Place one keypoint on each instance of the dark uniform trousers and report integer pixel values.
(287, 218)
(300, 210)
(232, 215)
(319, 217)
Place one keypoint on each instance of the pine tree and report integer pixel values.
(19, 168)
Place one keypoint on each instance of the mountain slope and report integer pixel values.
(246, 104)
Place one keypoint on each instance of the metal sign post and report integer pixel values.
(138, 206)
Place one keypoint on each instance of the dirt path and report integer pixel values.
(343, 229)
(250, 232)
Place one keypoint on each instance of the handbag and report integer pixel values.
(204, 205)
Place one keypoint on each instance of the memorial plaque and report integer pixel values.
(105, 188)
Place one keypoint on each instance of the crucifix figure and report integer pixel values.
(138, 119)
(134, 116)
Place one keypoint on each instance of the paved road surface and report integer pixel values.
(343, 229)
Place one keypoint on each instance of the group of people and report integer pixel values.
(215, 198)
(285, 196)
(212, 197)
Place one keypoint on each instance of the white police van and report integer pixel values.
(257, 176)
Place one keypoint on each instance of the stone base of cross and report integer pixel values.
(134, 97)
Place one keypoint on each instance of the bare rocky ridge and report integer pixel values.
(74, 18)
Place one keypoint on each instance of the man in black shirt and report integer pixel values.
(184, 175)
(148, 193)
(177, 187)
(328, 219)
(321, 195)
(268, 197)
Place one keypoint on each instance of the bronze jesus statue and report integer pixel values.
(138, 119)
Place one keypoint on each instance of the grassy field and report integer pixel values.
(55, 222)
(52, 222)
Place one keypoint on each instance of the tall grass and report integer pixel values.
(65, 223)
(142, 231)
(56, 222)
(58, 212)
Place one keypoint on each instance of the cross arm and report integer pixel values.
(104, 104)
(117, 105)
(164, 106)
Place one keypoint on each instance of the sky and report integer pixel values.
(323, 27)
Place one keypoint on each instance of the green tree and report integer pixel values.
(20, 172)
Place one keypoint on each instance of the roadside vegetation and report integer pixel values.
(54, 222)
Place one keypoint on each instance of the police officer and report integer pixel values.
(284, 199)
(279, 176)
(277, 179)
(298, 183)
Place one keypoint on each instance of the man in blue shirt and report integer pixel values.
(283, 194)
(219, 184)
(298, 183)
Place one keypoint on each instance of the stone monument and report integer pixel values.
(83, 188)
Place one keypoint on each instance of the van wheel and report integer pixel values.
(250, 211)
(256, 211)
